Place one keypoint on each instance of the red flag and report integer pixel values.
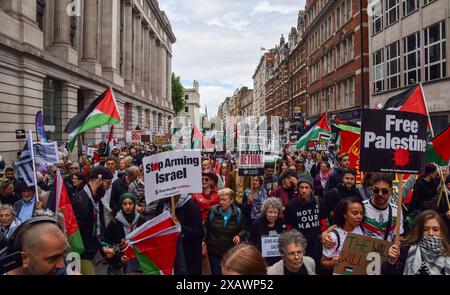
(350, 142)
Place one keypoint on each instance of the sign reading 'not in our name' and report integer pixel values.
(393, 141)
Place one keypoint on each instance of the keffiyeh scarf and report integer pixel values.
(427, 257)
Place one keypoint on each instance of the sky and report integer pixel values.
(219, 41)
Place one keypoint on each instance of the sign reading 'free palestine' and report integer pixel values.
(393, 141)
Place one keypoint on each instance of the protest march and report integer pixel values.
(366, 197)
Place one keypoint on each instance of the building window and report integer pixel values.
(186, 97)
(40, 9)
(425, 2)
(73, 30)
(393, 65)
(409, 6)
(411, 58)
(186, 109)
(435, 52)
(378, 73)
(391, 11)
(377, 22)
(52, 109)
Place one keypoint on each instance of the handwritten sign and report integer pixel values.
(269, 246)
(362, 255)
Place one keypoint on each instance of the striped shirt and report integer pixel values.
(376, 220)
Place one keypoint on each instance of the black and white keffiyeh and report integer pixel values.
(427, 257)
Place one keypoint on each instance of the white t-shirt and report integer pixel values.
(329, 253)
(376, 220)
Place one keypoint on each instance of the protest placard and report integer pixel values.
(393, 142)
(269, 246)
(171, 173)
(362, 255)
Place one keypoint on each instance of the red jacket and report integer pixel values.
(204, 202)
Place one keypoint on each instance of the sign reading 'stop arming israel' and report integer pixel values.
(171, 173)
(393, 141)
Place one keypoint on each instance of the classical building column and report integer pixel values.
(158, 73)
(89, 61)
(169, 80)
(110, 44)
(153, 72)
(146, 61)
(163, 76)
(138, 56)
(69, 101)
(94, 135)
(128, 28)
(61, 47)
(155, 122)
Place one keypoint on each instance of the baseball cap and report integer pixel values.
(101, 172)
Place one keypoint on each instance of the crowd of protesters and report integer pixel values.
(309, 200)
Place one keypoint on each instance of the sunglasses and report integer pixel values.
(384, 191)
(205, 179)
(73, 168)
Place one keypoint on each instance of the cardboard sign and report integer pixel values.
(362, 255)
(160, 139)
(393, 142)
(171, 173)
(269, 246)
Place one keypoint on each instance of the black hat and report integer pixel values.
(22, 185)
(101, 172)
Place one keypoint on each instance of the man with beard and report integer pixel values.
(304, 214)
(379, 215)
(335, 178)
(343, 190)
(286, 191)
(89, 211)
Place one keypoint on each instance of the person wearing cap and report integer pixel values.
(286, 191)
(208, 197)
(304, 213)
(300, 167)
(26, 207)
(126, 220)
(121, 186)
(88, 211)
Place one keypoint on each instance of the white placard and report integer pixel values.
(171, 173)
(269, 246)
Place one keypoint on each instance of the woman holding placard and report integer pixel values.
(425, 251)
(348, 215)
(268, 227)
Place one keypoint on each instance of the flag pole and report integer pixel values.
(426, 108)
(34, 165)
(399, 209)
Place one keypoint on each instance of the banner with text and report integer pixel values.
(393, 141)
(171, 173)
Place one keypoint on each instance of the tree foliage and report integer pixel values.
(177, 94)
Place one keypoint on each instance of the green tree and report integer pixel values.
(177, 94)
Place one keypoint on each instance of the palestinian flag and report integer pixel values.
(64, 206)
(153, 244)
(318, 129)
(411, 100)
(438, 150)
(196, 138)
(102, 111)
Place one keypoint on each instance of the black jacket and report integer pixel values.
(190, 219)
(114, 234)
(119, 187)
(11, 199)
(340, 192)
(423, 191)
(259, 229)
(84, 213)
(334, 179)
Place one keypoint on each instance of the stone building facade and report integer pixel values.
(260, 78)
(192, 105)
(57, 56)
(408, 45)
